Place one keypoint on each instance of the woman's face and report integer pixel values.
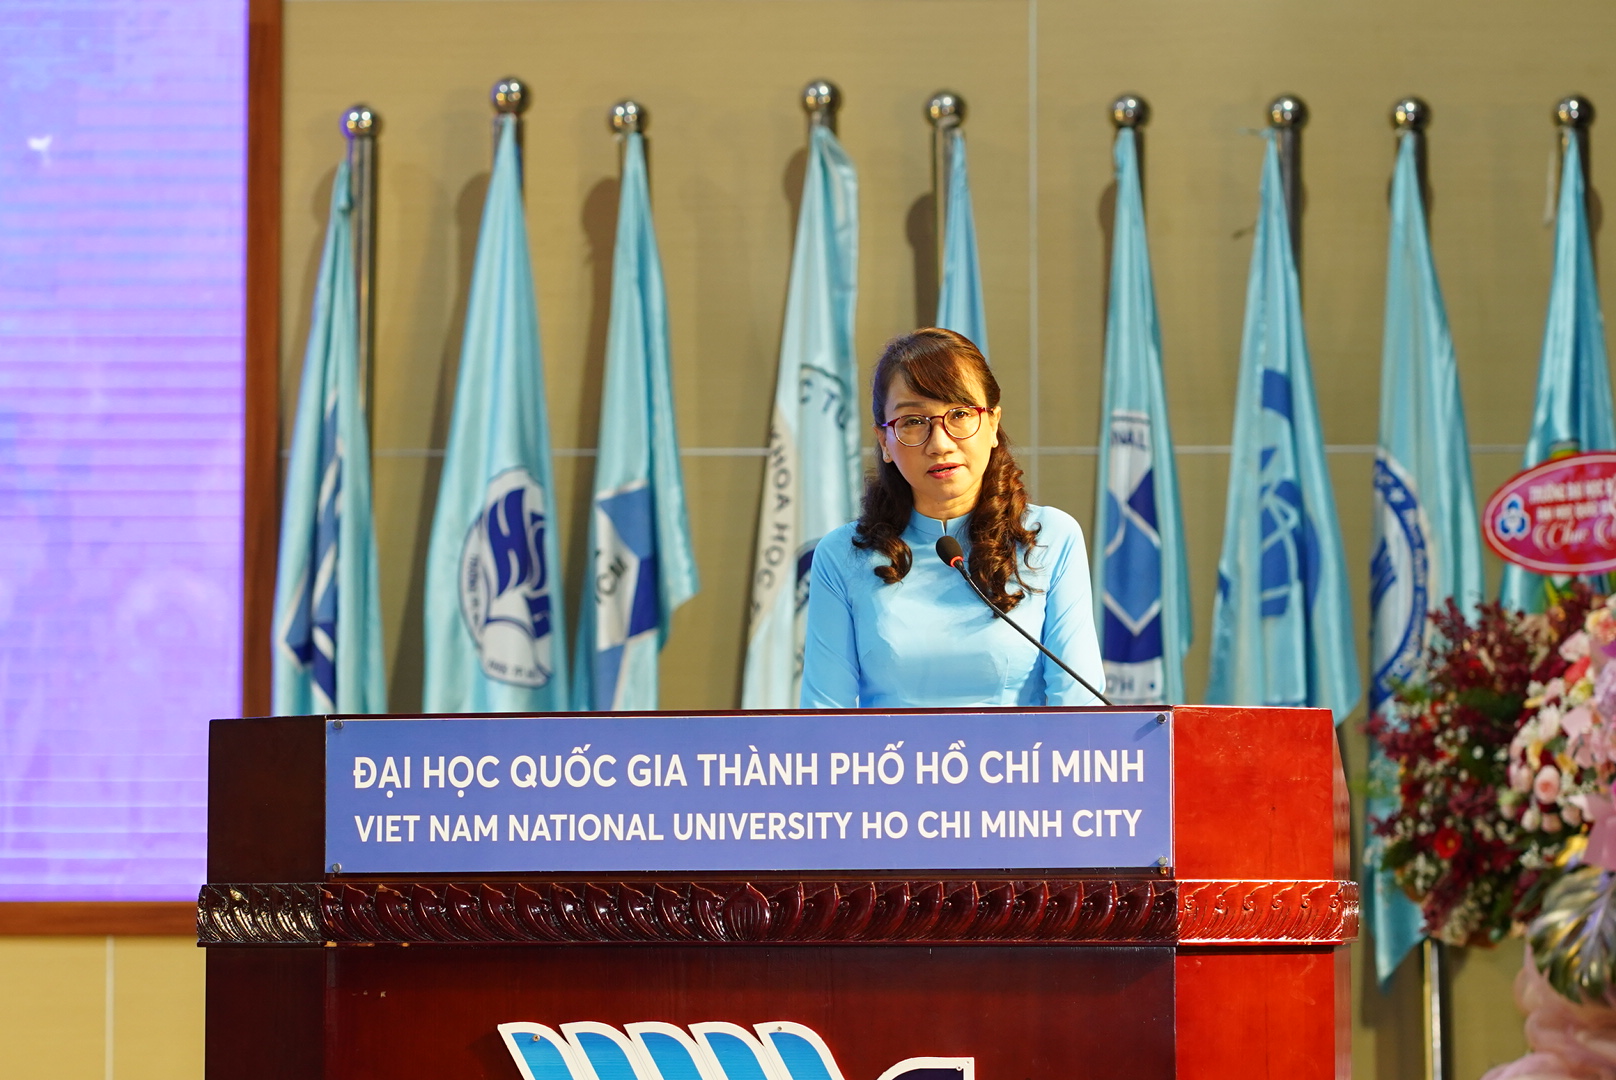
(944, 473)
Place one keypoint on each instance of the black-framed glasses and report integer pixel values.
(961, 422)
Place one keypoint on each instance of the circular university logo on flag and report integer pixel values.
(505, 582)
(1400, 572)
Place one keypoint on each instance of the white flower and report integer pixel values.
(1548, 722)
(1531, 819)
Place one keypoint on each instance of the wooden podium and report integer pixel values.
(1229, 963)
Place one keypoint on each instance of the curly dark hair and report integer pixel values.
(946, 366)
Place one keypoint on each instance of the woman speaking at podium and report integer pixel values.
(891, 624)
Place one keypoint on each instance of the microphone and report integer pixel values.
(948, 550)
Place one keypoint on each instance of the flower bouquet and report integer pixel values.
(1487, 811)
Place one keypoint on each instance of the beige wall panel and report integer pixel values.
(158, 1009)
(1487, 1030)
(52, 1008)
(54, 993)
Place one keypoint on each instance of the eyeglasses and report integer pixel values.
(961, 422)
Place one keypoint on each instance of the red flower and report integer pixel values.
(1576, 672)
(1446, 842)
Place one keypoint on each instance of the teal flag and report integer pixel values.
(1427, 542)
(1141, 575)
(494, 626)
(639, 535)
(1573, 410)
(959, 299)
(812, 479)
(328, 623)
(1281, 620)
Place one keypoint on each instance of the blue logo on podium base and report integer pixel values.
(779, 1050)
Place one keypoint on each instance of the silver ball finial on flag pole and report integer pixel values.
(628, 115)
(510, 96)
(1411, 114)
(1130, 111)
(945, 109)
(1574, 111)
(359, 122)
(821, 99)
(1287, 111)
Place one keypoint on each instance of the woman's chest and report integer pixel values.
(932, 631)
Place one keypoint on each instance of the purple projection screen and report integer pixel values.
(122, 178)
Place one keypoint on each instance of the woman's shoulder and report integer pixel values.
(838, 543)
(1055, 526)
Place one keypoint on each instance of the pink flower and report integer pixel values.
(1577, 721)
(1575, 647)
(1520, 778)
(1546, 786)
(1601, 850)
(1605, 691)
(1573, 816)
(1551, 823)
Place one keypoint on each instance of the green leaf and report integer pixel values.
(1574, 939)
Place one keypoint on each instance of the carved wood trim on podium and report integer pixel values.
(1074, 912)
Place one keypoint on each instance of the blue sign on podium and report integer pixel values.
(812, 792)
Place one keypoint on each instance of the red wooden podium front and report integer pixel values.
(1229, 963)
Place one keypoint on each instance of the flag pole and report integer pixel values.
(627, 117)
(1287, 115)
(509, 98)
(1573, 116)
(821, 100)
(1409, 118)
(1437, 1051)
(360, 125)
(946, 111)
(1133, 111)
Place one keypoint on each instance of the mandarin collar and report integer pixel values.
(931, 529)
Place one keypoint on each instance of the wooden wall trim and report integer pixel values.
(261, 449)
(80, 918)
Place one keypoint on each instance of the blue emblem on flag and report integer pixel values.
(505, 582)
(1290, 552)
(625, 580)
(654, 1050)
(1399, 583)
(310, 630)
(1131, 634)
